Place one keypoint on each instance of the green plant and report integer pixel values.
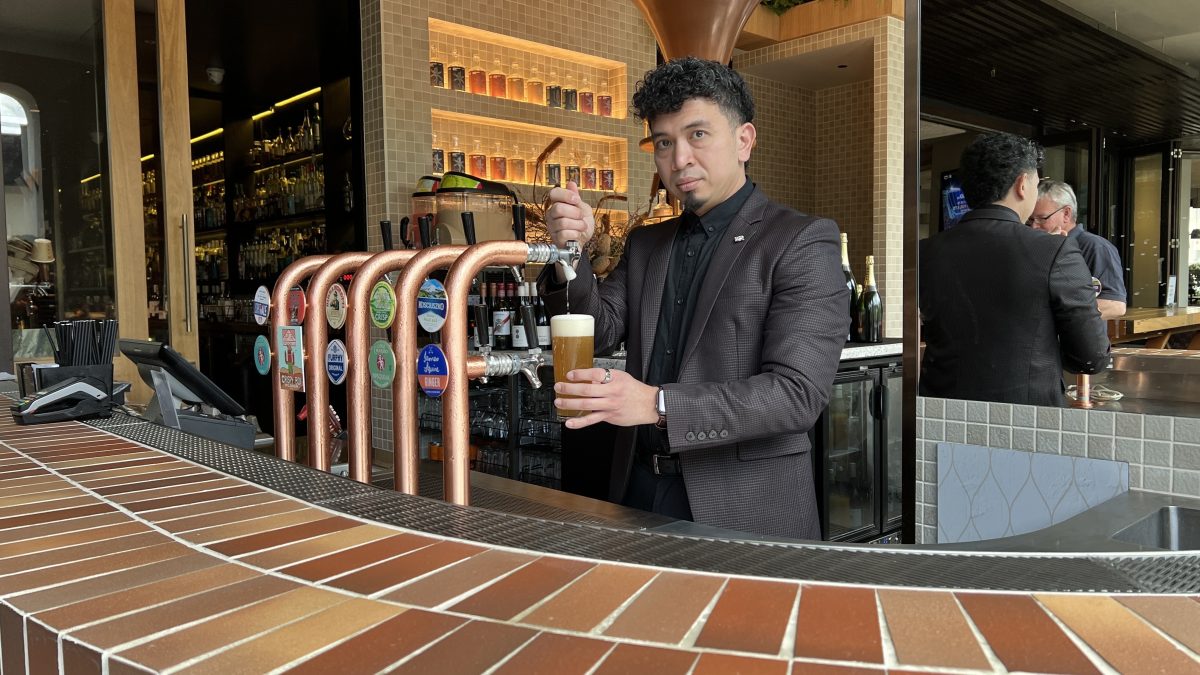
(781, 6)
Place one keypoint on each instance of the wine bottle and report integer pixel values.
(852, 286)
(541, 316)
(870, 308)
(502, 319)
(520, 335)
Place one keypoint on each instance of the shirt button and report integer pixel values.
(691, 253)
(679, 301)
(689, 436)
(670, 351)
(710, 230)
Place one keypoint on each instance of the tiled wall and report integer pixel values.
(843, 178)
(1163, 453)
(887, 142)
(398, 99)
(986, 493)
(784, 163)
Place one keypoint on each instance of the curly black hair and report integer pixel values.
(665, 89)
(991, 163)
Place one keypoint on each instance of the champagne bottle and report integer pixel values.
(852, 286)
(870, 308)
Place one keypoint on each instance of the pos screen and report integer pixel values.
(187, 382)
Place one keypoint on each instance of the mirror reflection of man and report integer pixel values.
(1055, 213)
(734, 315)
(1005, 307)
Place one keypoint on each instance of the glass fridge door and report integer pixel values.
(847, 461)
(891, 404)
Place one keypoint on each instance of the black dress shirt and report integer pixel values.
(696, 239)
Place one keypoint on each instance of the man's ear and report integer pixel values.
(746, 135)
(1020, 188)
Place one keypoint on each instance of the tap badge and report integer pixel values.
(262, 305)
(335, 306)
(433, 371)
(335, 361)
(382, 364)
(431, 305)
(383, 304)
(289, 349)
(297, 306)
(262, 355)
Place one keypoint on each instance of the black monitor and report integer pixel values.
(187, 383)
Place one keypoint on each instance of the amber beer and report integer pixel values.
(573, 337)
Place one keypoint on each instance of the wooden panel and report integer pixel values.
(818, 17)
(125, 182)
(176, 180)
(761, 29)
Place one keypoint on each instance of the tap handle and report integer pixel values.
(568, 262)
(404, 239)
(529, 319)
(519, 221)
(482, 329)
(385, 228)
(468, 222)
(424, 224)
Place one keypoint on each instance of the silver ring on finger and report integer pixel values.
(607, 376)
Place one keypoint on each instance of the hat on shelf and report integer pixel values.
(43, 251)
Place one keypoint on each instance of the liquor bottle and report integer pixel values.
(458, 158)
(437, 68)
(316, 145)
(439, 157)
(870, 308)
(477, 76)
(587, 98)
(542, 317)
(573, 169)
(588, 173)
(570, 95)
(458, 73)
(484, 332)
(520, 339)
(497, 80)
(553, 173)
(554, 91)
(604, 100)
(502, 319)
(852, 286)
(516, 82)
(516, 166)
(535, 87)
(478, 160)
(497, 164)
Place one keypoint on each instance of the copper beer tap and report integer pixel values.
(283, 400)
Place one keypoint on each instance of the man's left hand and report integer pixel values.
(622, 401)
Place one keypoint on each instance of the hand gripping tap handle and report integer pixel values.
(385, 228)
(404, 239)
(468, 223)
(424, 224)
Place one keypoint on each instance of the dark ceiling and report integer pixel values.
(1038, 63)
(270, 50)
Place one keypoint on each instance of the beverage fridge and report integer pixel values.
(857, 455)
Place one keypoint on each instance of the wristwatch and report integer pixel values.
(661, 406)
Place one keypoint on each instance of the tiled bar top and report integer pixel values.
(119, 558)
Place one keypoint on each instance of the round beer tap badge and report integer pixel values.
(335, 306)
(433, 371)
(297, 306)
(431, 305)
(262, 355)
(335, 361)
(383, 304)
(262, 305)
(382, 364)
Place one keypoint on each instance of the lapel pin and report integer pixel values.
(739, 238)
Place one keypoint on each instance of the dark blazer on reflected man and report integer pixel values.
(757, 367)
(1004, 308)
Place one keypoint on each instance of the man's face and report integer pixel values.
(700, 154)
(1049, 216)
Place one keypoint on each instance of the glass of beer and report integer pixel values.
(573, 337)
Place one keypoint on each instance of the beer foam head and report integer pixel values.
(572, 325)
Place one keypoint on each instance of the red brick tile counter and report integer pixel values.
(117, 557)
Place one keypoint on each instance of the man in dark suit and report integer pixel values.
(734, 317)
(1004, 306)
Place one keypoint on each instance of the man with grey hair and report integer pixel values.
(1056, 212)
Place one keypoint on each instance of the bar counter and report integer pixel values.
(1155, 325)
(129, 548)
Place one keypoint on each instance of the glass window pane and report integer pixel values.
(849, 459)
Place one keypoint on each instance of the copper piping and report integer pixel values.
(455, 411)
(283, 401)
(316, 337)
(1083, 392)
(358, 381)
(405, 425)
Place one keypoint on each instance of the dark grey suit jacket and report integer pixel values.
(1004, 308)
(757, 368)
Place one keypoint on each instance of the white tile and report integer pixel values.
(1187, 430)
(1024, 439)
(977, 411)
(1156, 453)
(1100, 422)
(956, 432)
(1049, 441)
(956, 409)
(1185, 483)
(1100, 447)
(1074, 421)
(1074, 445)
(1128, 450)
(1129, 425)
(1024, 416)
(999, 437)
(1156, 479)
(1000, 413)
(1158, 427)
(1186, 456)
(1048, 418)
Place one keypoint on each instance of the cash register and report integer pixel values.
(185, 399)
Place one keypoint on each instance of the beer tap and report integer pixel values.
(404, 239)
(482, 328)
(283, 400)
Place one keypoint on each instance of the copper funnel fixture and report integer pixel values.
(707, 29)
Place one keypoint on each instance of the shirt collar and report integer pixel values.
(1075, 231)
(993, 212)
(721, 215)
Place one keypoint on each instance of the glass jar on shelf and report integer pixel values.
(477, 76)
(588, 173)
(497, 80)
(554, 92)
(497, 164)
(477, 160)
(516, 82)
(458, 158)
(604, 100)
(587, 98)
(535, 87)
(570, 94)
(438, 157)
(516, 166)
(457, 72)
(437, 68)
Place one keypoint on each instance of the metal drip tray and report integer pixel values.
(1174, 528)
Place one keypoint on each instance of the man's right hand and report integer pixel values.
(569, 218)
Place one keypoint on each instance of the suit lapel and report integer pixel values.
(736, 239)
(652, 289)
